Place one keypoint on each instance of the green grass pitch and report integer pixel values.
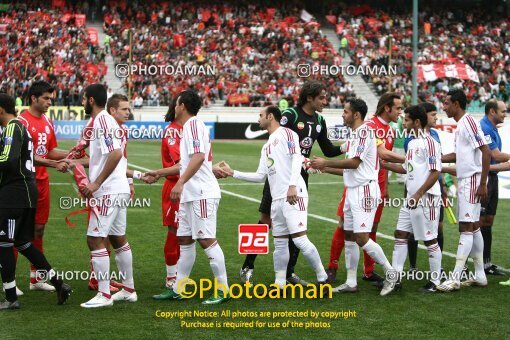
(472, 312)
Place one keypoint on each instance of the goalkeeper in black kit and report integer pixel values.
(18, 197)
(305, 120)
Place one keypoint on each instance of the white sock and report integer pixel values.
(217, 263)
(351, 262)
(281, 260)
(312, 255)
(399, 254)
(124, 260)
(101, 264)
(375, 251)
(463, 250)
(171, 271)
(185, 263)
(477, 255)
(435, 257)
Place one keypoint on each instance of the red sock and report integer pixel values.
(368, 262)
(337, 245)
(171, 249)
(38, 243)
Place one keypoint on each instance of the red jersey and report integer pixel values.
(170, 144)
(384, 133)
(43, 137)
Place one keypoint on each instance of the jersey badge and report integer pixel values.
(41, 150)
(171, 141)
(108, 141)
(270, 162)
(306, 143)
(7, 140)
(196, 143)
(301, 125)
(318, 128)
(284, 121)
(47, 129)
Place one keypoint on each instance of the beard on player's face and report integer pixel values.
(88, 108)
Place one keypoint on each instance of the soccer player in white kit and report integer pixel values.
(280, 162)
(109, 188)
(362, 196)
(472, 156)
(420, 214)
(199, 194)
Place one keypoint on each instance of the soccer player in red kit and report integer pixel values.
(170, 155)
(40, 127)
(388, 110)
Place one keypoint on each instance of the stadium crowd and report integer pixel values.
(446, 35)
(254, 50)
(49, 45)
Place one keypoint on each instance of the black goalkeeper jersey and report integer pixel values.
(309, 129)
(17, 173)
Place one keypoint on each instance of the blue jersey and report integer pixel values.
(491, 136)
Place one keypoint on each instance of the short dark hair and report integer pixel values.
(458, 96)
(38, 88)
(275, 111)
(417, 112)
(358, 105)
(7, 103)
(491, 104)
(428, 107)
(191, 101)
(114, 100)
(98, 92)
(170, 114)
(386, 99)
(312, 89)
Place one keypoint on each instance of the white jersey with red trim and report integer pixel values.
(362, 145)
(202, 185)
(107, 138)
(423, 155)
(469, 138)
(276, 162)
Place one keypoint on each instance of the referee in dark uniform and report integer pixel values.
(18, 197)
(310, 126)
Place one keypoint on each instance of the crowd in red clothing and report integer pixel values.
(253, 49)
(49, 44)
(478, 37)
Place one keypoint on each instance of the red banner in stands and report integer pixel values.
(432, 72)
(178, 40)
(66, 17)
(58, 4)
(331, 19)
(206, 14)
(93, 35)
(80, 19)
(238, 98)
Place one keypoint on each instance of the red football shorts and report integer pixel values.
(42, 211)
(340, 211)
(170, 210)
